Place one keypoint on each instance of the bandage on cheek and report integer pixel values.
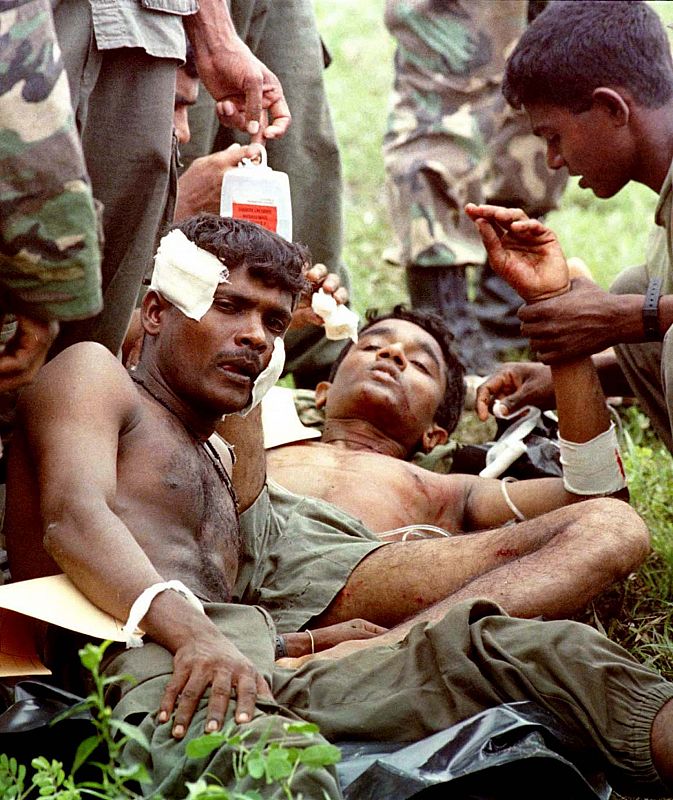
(186, 275)
(268, 377)
(594, 467)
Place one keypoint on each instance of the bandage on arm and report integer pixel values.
(594, 467)
(143, 602)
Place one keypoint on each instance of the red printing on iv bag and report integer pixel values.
(266, 216)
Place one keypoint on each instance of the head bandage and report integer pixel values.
(186, 275)
(267, 377)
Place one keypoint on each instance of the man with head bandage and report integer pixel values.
(113, 481)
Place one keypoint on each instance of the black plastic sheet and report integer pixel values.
(514, 750)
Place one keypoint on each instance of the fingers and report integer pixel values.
(25, 352)
(220, 694)
(503, 216)
(280, 116)
(494, 388)
(253, 87)
(258, 137)
(317, 274)
(370, 629)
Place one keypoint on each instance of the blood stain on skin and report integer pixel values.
(507, 553)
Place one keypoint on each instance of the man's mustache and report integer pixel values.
(246, 362)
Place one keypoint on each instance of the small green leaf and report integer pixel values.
(255, 764)
(320, 755)
(131, 732)
(204, 745)
(305, 728)
(278, 765)
(84, 750)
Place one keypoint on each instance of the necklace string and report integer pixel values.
(206, 445)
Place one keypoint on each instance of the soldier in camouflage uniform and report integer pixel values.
(49, 254)
(452, 139)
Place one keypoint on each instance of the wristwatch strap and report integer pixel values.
(651, 311)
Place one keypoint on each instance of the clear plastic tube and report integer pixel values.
(420, 531)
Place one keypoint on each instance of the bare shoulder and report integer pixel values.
(84, 379)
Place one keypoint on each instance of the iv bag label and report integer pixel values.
(266, 216)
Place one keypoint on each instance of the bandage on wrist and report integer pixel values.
(143, 602)
(594, 467)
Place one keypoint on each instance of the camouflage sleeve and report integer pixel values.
(49, 252)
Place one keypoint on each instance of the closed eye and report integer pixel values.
(420, 365)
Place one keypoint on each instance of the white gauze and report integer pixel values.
(593, 467)
(142, 605)
(340, 321)
(267, 377)
(186, 275)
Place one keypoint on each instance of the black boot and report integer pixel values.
(443, 290)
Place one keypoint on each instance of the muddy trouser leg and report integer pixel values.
(648, 366)
(476, 658)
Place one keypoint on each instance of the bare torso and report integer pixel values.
(170, 493)
(384, 492)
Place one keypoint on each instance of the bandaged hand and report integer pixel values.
(523, 251)
(318, 277)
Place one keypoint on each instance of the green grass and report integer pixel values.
(609, 235)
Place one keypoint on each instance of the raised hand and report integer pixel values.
(523, 251)
(318, 277)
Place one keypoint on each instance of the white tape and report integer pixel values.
(340, 322)
(187, 275)
(593, 467)
(142, 604)
(267, 378)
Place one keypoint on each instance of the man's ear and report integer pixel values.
(616, 104)
(434, 436)
(321, 391)
(151, 310)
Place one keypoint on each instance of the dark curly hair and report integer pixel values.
(236, 242)
(449, 410)
(575, 46)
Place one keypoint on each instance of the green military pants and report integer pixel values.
(123, 101)
(473, 659)
(283, 34)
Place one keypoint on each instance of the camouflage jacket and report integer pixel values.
(49, 249)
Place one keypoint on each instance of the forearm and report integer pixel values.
(580, 401)
(111, 569)
(211, 28)
(246, 435)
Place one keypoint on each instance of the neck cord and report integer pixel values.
(207, 446)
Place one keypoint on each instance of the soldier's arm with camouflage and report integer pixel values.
(49, 251)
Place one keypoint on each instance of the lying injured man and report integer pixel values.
(398, 390)
(113, 481)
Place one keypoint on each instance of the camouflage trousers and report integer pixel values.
(452, 139)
